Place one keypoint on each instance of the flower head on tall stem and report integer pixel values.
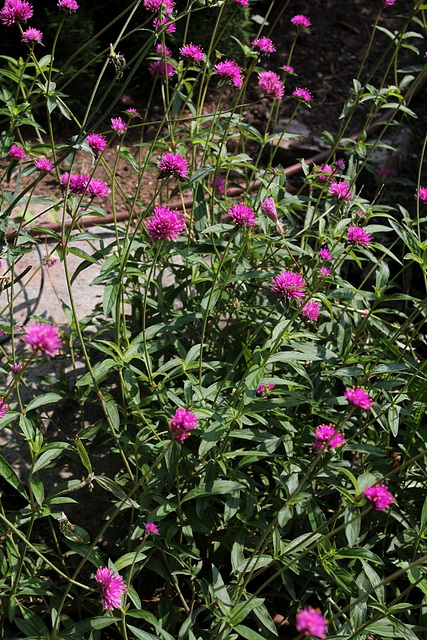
(341, 190)
(325, 254)
(68, 5)
(303, 95)
(155, 5)
(271, 84)
(3, 408)
(32, 35)
(263, 45)
(17, 152)
(301, 21)
(269, 209)
(77, 182)
(327, 438)
(16, 367)
(380, 496)
(112, 586)
(118, 125)
(192, 52)
(164, 22)
(158, 67)
(43, 164)
(421, 195)
(243, 3)
(96, 142)
(173, 164)
(97, 188)
(311, 622)
(288, 69)
(242, 215)
(15, 11)
(151, 529)
(181, 423)
(289, 284)
(230, 71)
(43, 337)
(311, 310)
(165, 224)
(358, 236)
(359, 397)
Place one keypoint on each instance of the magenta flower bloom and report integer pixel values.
(300, 21)
(156, 5)
(325, 172)
(51, 259)
(244, 3)
(269, 209)
(380, 496)
(15, 11)
(264, 45)
(327, 438)
(311, 310)
(97, 188)
(192, 52)
(359, 397)
(151, 529)
(289, 284)
(163, 51)
(182, 422)
(97, 142)
(32, 35)
(68, 5)
(3, 408)
(341, 190)
(172, 164)
(165, 224)
(340, 164)
(230, 71)
(164, 22)
(16, 367)
(46, 337)
(112, 586)
(271, 84)
(118, 125)
(303, 95)
(325, 254)
(311, 622)
(358, 236)
(17, 152)
(388, 3)
(43, 164)
(324, 271)
(158, 68)
(264, 389)
(421, 194)
(77, 182)
(384, 174)
(288, 69)
(132, 112)
(242, 215)
(219, 184)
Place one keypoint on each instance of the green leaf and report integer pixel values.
(10, 476)
(248, 633)
(220, 592)
(219, 487)
(46, 458)
(201, 173)
(84, 457)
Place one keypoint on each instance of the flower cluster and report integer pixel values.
(359, 397)
(380, 496)
(173, 164)
(43, 337)
(269, 209)
(15, 11)
(3, 408)
(421, 194)
(96, 142)
(271, 84)
(43, 164)
(311, 622)
(81, 183)
(230, 71)
(155, 5)
(181, 423)
(358, 236)
(68, 5)
(17, 152)
(165, 224)
(327, 438)
(151, 529)
(264, 389)
(118, 125)
(303, 95)
(166, 22)
(288, 69)
(311, 310)
(219, 184)
(301, 21)
(242, 215)
(192, 52)
(264, 45)
(341, 190)
(289, 284)
(112, 586)
(158, 67)
(32, 35)
(325, 254)
(244, 3)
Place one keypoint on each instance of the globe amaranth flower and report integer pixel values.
(17, 152)
(311, 622)
(181, 423)
(118, 125)
(15, 11)
(289, 284)
(77, 182)
(311, 310)
(358, 236)
(327, 438)
(132, 112)
(383, 174)
(112, 586)
(324, 172)
(219, 184)
(158, 68)
(230, 71)
(340, 164)
(68, 5)
(264, 45)
(3, 408)
(264, 389)
(32, 35)
(16, 367)
(97, 188)
(300, 21)
(324, 271)
(43, 337)
(173, 164)
(303, 95)
(163, 50)
(242, 215)
(165, 224)
(388, 3)
(359, 397)
(192, 52)
(155, 5)
(341, 190)
(51, 259)
(43, 164)
(271, 84)
(97, 142)
(165, 22)
(269, 209)
(244, 3)
(421, 195)
(380, 496)
(288, 69)
(151, 529)
(325, 254)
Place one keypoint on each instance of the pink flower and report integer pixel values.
(264, 389)
(219, 184)
(77, 182)
(288, 69)
(264, 45)
(388, 3)
(358, 236)
(3, 408)
(118, 125)
(156, 5)
(244, 3)
(269, 209)
(17, 152)
(271, 84)
(327, 437)
(325, 254)
(163, 50)
(164, 22)
(32, 35)
(230, 71)
(384, 174)
(340, 164)
(112, 586)
(324, 271)
(311, 622)
(192, 52)
(242, 215)
(380, 496)
(182, 422)
(300, 21)
(51, 259)
(341, 190)
(158, 68)
(421, 194)
(46, 337)
(68, 5)
(325, 171)
(15, 11)
(43, 164)
(151, 529)
(359, 397)
(311, 310)
(172, 164)
(97, 188)
(132, 112)
(165, 224)
(16, 367)
(289, 285)
(302, 94)
(97, 142)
